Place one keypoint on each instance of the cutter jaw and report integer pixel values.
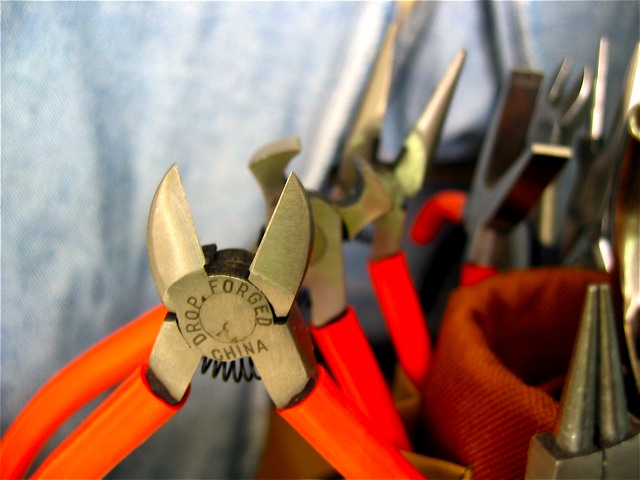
(282, 257)
(173, 246)
(237, 304)
(325, 278)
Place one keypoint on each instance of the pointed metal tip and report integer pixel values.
(631, 93)
(560, 79)
(173, 246)
(365, 131)
(421, 144)
(579, 98)
(282, 257)
(613, 419)
(575, 426)
(599, 91)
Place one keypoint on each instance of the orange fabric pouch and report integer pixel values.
(502, 352)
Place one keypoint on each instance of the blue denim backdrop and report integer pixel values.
(99, 99)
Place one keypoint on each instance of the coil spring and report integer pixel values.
(239, 370)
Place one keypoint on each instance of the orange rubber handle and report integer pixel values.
(99, 368)
(341, 433)
(444, 206)
(130, 415)
(470, 274)
(403, 315)
(352, 363)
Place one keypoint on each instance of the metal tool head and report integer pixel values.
(511, 174)
(575, 427)
(282, 257)
(596, 113)
(627, 239)
(173, 246)
(420, 145)
(585, 198)
(236, 304)
(575, 106)
(560, 112)
(368, 202)
(362, 140)
(325, 277)
(594, 437)
(268, 166)
(406, 176)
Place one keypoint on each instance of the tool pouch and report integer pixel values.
(498, 368)
(495, 381)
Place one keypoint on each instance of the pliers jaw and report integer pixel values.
(332, 221)
(234, 304)
(594, 436)
(325, 278)
(363, 138)
(404, 177)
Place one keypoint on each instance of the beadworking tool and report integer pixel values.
(555, 120)
(510, 176)
(228, 304)
(388, 269)
(594, 436)
(334, 323)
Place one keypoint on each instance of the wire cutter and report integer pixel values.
(228, 304)
(388, 267)
(334, 324)
(594, 436)
(510, 176)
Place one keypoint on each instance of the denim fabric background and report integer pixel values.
(100, 99)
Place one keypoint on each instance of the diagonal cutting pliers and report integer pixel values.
(335, 327)
(227, 304)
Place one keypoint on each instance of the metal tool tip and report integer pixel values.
(283, 254)
(613, 419)
(575, 425)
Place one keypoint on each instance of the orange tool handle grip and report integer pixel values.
(130, 415)
(444, 206)
(352, 363)
(470, 274)
(341, 433)
(99, 368)
(403, 315)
